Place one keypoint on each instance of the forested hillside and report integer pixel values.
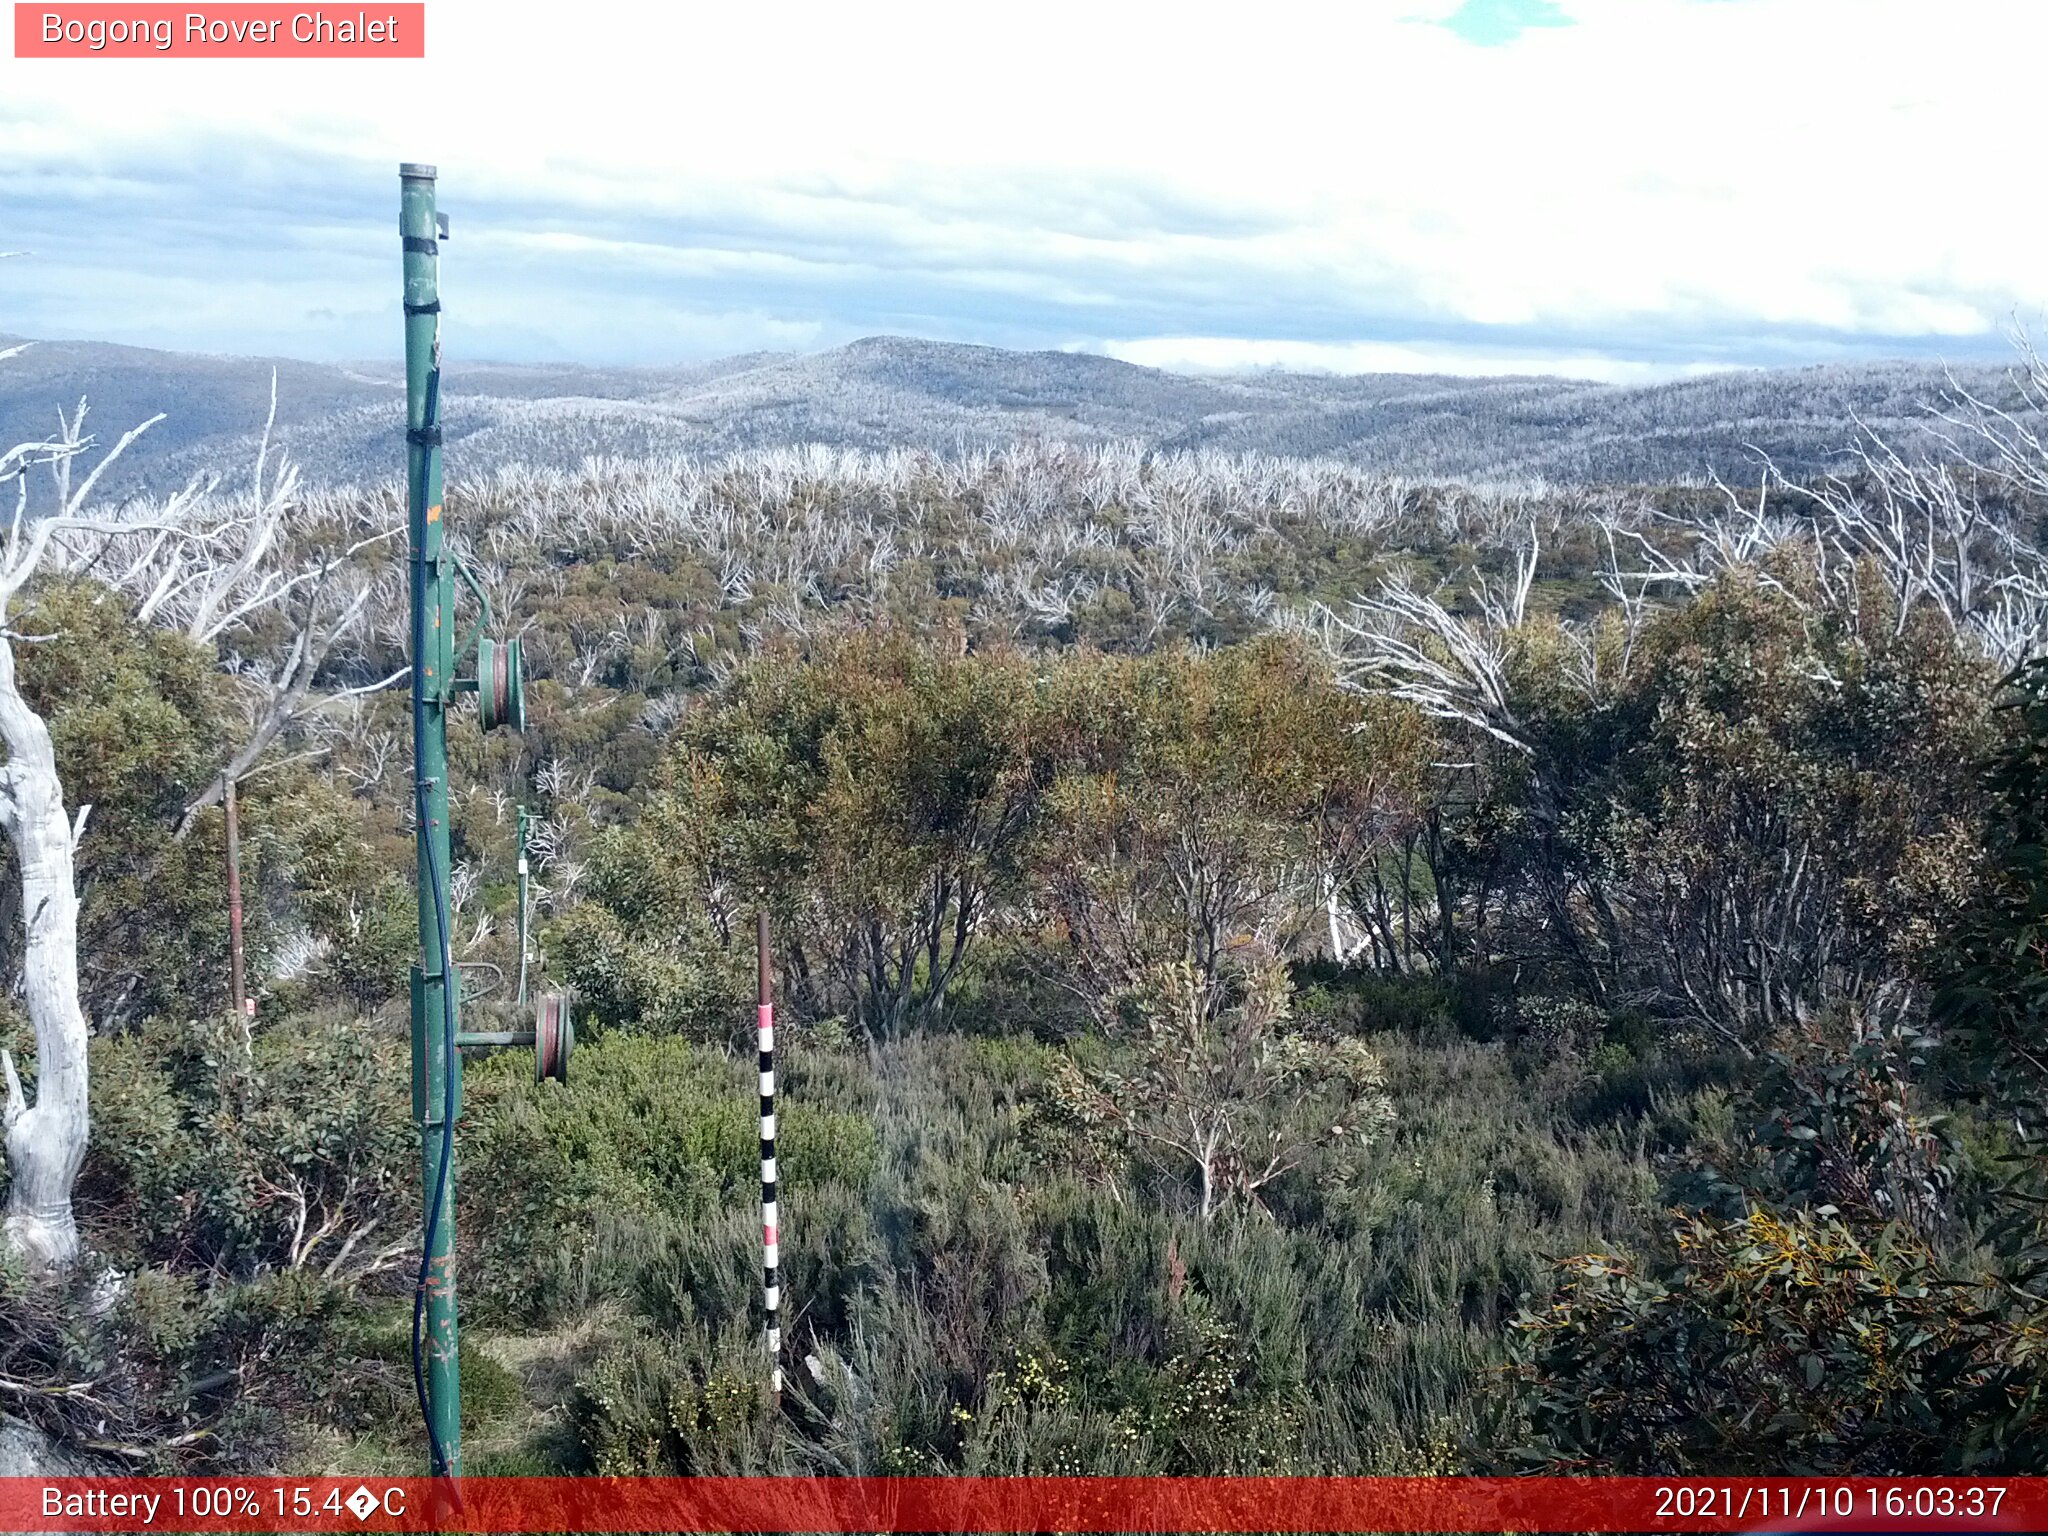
(892, 392)
(1284, 968)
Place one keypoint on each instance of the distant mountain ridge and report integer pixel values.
(343, 423)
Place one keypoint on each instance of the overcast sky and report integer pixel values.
(1617, 189)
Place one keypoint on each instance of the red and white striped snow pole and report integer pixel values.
(771, 1244)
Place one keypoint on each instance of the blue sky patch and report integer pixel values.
(1489, 23)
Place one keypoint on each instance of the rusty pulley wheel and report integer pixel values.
(554, 1037)
(500, 684)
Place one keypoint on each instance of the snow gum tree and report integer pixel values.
(45, 1140)
(197, 561)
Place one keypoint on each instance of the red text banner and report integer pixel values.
(1105, 1504)
(230, 31)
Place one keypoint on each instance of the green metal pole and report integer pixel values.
(437, 1064)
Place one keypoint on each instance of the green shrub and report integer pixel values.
(650, 972)
(289, 1149)
(670, 1406)
(1775, 1345)
(570, 1191)
(1361, 1002)
(175, 1372)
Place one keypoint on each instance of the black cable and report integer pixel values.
(437, 1452)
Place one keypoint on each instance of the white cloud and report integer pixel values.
(1224, 354)
(1843, 166)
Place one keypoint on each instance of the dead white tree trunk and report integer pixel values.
(201, 564)
(46, 1140)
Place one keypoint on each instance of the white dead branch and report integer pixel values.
(259, 557)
